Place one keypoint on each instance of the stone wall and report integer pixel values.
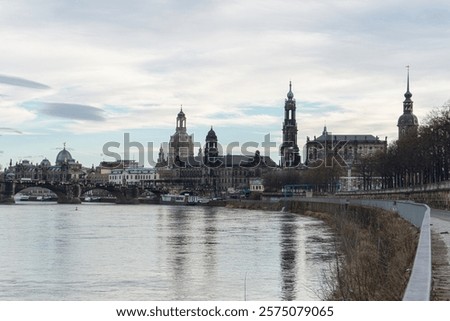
(435, 198)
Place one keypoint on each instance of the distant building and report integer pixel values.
(350, 148)
(407, 123)
(289, 151)
(100, 174)
(256, 185)
(162, 162)
(65, 169)
(347, 151)
(209, 172)
(181, 144)
(133, 176)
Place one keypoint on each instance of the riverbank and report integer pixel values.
(375, 248)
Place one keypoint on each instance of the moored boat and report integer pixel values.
(179, 199)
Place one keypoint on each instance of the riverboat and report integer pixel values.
(179, 199)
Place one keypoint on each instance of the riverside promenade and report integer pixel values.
(440, 247)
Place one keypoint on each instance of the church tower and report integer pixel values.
(289, 149)
(161, 159)
(407, 123)
(211, 148)
(181, 144)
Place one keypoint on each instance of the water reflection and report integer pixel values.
(177, 245)
(210, 244)
(111, 252)
(288, 253)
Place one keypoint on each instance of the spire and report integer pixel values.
(408, 95)
(407, 79)
(290, 94)
(408, 103)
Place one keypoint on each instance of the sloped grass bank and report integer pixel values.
(374, 253)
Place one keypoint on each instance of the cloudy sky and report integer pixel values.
(87, 72)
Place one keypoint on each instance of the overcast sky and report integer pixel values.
(86, 72)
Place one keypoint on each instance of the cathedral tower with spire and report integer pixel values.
(289, 149)
(407, 123)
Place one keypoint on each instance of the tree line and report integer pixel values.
(416, 159)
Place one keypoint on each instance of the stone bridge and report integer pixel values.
(71, 192)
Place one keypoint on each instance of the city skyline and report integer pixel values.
(88, 72)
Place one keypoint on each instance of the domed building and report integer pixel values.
(65, 168)
(181, 145)
(210, 172)
(64, 156)
(45, 163)
(407, 123)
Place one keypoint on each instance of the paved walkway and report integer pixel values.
(440, 240)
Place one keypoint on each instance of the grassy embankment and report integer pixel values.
(374, 248)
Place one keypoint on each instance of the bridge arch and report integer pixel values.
(36, 193)
(66, 193)
(114, 192)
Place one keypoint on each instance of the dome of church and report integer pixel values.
(45, 163)
(408, 119)
(290, 94)
(63, 156)
(211, 135)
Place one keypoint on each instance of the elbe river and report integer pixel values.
(160, 252)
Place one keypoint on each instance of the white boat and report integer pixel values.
(23, 197)
(179, 199)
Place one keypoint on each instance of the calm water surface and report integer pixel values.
(158, 252)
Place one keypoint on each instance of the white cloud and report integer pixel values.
(138, 61)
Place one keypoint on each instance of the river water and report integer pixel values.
(160, 252)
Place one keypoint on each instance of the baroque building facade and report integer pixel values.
(65, 169)
(209, 173)
(347, 149)
(348, 152)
